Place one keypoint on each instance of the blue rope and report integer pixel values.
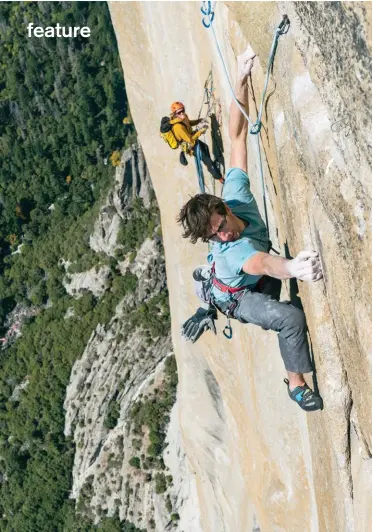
(198, 160)
(280, 30)
(255, 128)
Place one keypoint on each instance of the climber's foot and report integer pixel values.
(306, 398)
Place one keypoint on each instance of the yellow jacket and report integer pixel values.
(182, 130)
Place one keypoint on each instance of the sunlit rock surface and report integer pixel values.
(93, 280)
(259, 461)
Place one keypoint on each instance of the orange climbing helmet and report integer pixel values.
(177, 106)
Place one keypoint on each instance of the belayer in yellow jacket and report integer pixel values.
(184, 134)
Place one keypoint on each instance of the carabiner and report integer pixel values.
(228, 333)
(255, 129)
(207, 13)
(208, 10)
(284, 25)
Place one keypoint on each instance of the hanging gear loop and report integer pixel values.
(208, 93)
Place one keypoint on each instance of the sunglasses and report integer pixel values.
(181, 112)
(219, 229)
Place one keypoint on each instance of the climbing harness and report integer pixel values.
(204, 278)
(226, 289)
(282, 28)
(235, 295)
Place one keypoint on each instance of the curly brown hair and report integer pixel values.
(195, 216)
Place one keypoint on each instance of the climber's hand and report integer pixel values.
(197, 324)
(245, 63)
(306, 266)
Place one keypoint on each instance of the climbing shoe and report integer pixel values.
(215, 172)
(306, 398)
(183, 159)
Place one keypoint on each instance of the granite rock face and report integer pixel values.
(259, 461)
(93, 280)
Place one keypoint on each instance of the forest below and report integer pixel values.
(63, 121)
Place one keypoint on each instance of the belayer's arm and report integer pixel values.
(306, 266)
(182, 133)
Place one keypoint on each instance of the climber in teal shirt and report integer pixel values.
(244, 281)
(230, 257)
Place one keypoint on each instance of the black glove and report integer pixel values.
(200, 322)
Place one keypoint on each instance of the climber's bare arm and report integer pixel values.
(265, 264)
(306, 266)
(238, 125)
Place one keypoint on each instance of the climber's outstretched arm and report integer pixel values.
(238, 125)
(306, 266)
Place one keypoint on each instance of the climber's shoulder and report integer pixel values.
(237, 186)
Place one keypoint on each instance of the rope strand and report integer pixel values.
(255, 128)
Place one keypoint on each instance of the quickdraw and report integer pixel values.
(208, 12)
(227, 331)
(213, 109)
(281, 29)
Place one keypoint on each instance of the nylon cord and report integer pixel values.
(255, 128)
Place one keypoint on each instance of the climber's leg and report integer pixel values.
(288, 321)
(290, 324)
(208, 162)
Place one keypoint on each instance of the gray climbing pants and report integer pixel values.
(264, 309)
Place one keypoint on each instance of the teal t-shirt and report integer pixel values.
(229, 257)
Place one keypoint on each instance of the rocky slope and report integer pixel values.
(132, 180)
(258, 460)
(124, 367)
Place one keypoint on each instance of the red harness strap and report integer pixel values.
(230, 290)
